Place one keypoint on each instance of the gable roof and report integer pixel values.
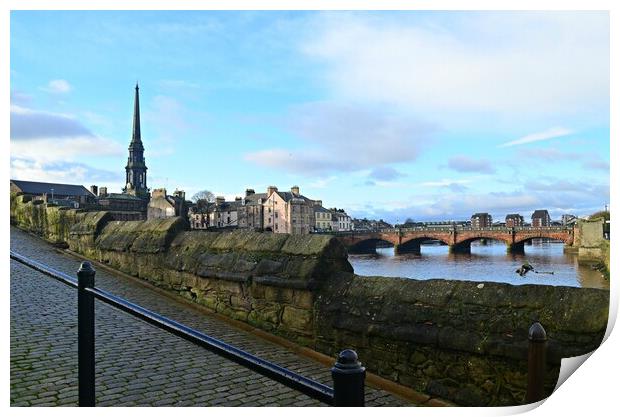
(540, 214)
(38, 188)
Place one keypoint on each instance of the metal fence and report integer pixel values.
(347, 373)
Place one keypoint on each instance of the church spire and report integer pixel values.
(135, 170)
(135, 137)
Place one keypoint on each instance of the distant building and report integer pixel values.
(568, 219)
(334, 220)
(250, 212)
(341, 221)
(60, 194)
(479, 220)
(288, 212)
(370, 225)
(514, 220)
(322, 219)
(162, 205)
(541, 218)
(224, 213)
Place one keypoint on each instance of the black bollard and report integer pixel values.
(86, 336)
(348, 375)
(536, 363)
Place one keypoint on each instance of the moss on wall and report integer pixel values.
(460, 340)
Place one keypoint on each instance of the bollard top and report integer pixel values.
(86, 269)
(347, 359)
(537, 333)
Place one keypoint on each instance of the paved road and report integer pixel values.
(136, 363)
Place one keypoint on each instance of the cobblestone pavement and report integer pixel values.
(136, 364)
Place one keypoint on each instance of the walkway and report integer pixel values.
(137, 364)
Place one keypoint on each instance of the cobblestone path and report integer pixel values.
(136, 364)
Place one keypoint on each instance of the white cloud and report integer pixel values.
(525, 63)
(46, 150)
(463, 163)
(345, 138)
(58, 87)
(62, 172)
(555, 132)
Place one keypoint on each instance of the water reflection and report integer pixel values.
(487, 261)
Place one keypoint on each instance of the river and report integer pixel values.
(486, 262)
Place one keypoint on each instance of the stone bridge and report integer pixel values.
(457, 239)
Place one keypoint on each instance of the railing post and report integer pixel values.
(348, 375)
(536, 363)
(86, 336)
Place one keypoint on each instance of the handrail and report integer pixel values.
(347, 373)
(291, 379)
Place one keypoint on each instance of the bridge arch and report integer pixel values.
(412, 244)
(368, 245)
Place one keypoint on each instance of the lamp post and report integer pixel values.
(52, 193)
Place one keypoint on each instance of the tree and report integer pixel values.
(600, 215)
(202, 198)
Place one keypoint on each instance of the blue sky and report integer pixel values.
(427, 115)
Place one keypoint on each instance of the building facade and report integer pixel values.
(61, 194)
(288, 212)
(541, 218)
(514, 220)
(480, 220)
(161, 205)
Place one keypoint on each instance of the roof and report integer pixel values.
(509, 216)
(288, 196)
(321, 209)
(480, 214)
(253, 198)
(540, 213)
(120, 196)
(38, 188)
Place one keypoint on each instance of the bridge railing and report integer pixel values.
(499, 229)
(348, 374)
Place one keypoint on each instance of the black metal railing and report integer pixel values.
(347, 373)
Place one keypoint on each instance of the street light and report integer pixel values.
(52, 193)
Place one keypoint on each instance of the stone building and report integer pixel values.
(541, 218)
(288, 212)
(162, 205)
(479, 220)
(514, 220)
(334, 220)
(61, 194)
(322, 218)
(250, 212)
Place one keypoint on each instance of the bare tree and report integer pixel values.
(202, 198)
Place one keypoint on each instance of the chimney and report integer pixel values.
(318, 203)
(103, 191)
(93, 189)
(237, 198)
(271, 189)
(179, 193)
(295, 190)
(159, 193)
(219, 200)
(249, 192)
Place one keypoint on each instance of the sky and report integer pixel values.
(427, 115)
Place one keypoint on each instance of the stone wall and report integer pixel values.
(464, 341)
(590, 240)
(461, 340)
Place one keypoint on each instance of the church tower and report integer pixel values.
(135, 171)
